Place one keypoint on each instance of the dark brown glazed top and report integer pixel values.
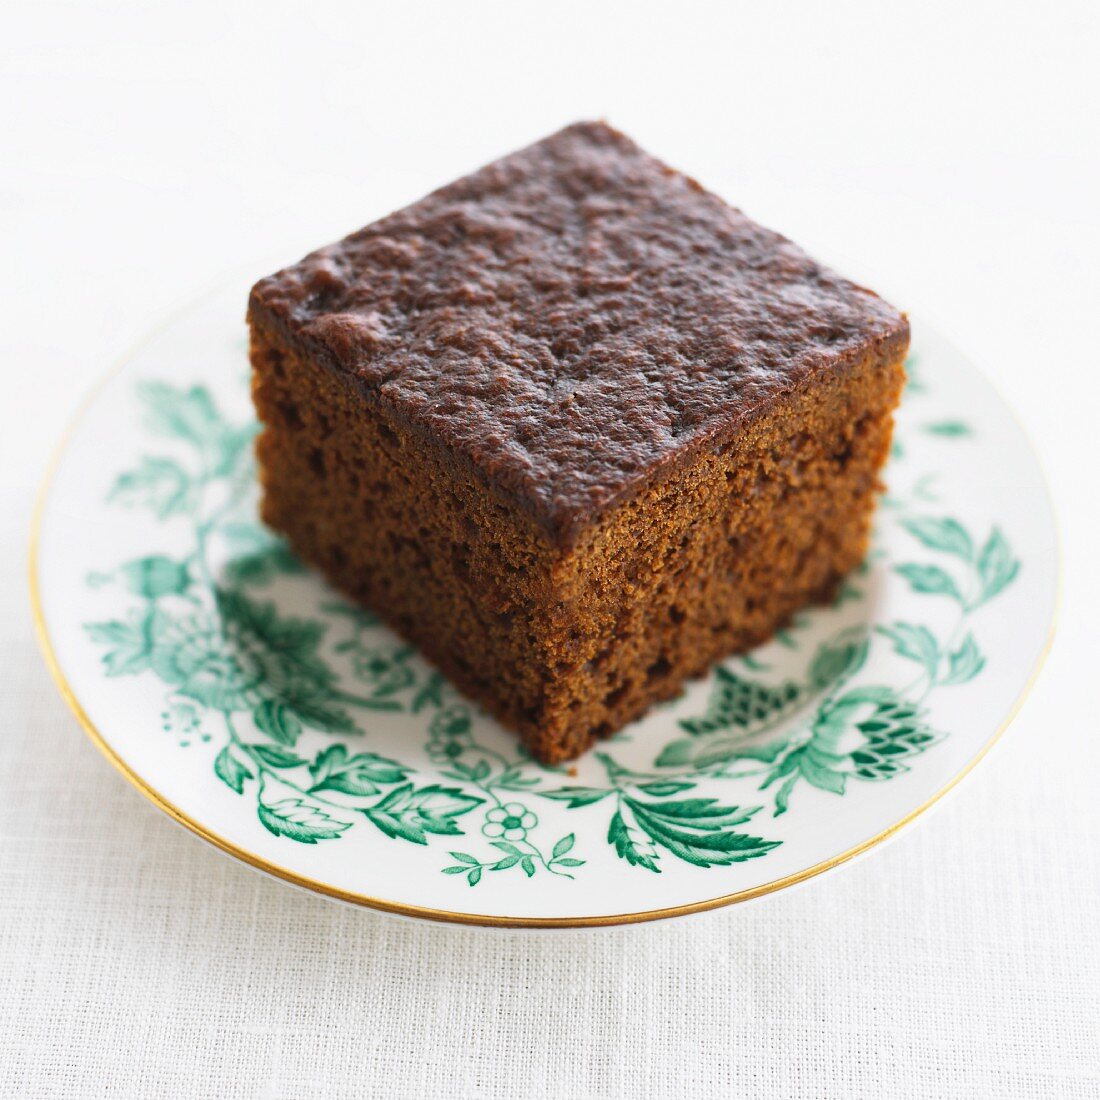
(571, 318)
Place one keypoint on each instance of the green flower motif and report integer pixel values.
(869, 732)
(239, 658)
(510, 821)
(449, 735)
(385, 671)
(894, 733)
(195, 656)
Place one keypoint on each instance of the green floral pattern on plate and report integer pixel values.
(252, 683)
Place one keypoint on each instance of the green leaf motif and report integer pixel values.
(664, 788)
(359, 775)
(245, 536)
(783, 796)
(949, 429)
(299, 820)
(156, 576)
(945, 534)
(263, 565)
(512, 855)
(997, 568)
(190, 416)
(914, 642)
(316, 711)
(575, 797)
(696, 812)
(511, 780)
(180, 414)
(818, 769)
(159, 484)
(719, 750)
(866, 693)
(675, 754)
(930, 579)
(564, 845)
(231, 771)
(231, 447)
(698, 830)
(411, 814)
(743, 704)
(131, 643)
(430, 695)
(464, 857)
(839, 658)
(276, 757)
(278, 722)
(294, 640)
(622, 838)
(965, 663)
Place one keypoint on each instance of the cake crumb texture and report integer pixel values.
(566, 646)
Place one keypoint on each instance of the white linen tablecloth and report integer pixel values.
(949, 153)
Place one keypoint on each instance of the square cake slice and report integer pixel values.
(574, 427)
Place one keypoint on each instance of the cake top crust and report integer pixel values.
(573, 318)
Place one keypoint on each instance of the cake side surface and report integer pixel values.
(714, 559)
(566, 643)
(572, 320)
(391, 521)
